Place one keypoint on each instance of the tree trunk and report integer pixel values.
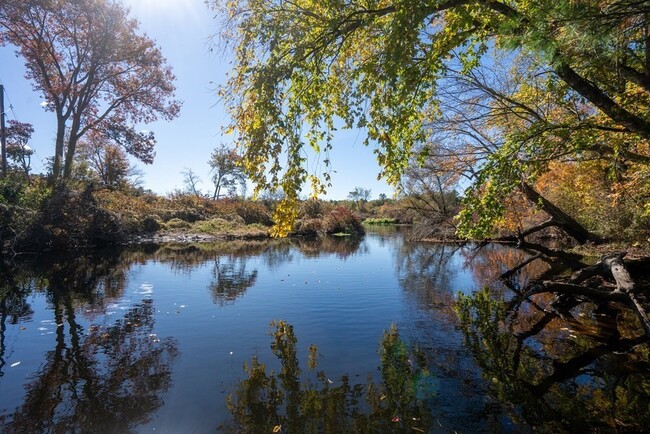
(58, 150)
(561, 219)
(72, 147)
(69, 159)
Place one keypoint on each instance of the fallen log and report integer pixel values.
(608, 265)
(576, 290)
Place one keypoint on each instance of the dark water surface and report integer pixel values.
(154, 340)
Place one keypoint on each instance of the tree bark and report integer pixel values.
(58, 150)
(561, 219)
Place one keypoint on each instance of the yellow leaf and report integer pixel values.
(277, 428)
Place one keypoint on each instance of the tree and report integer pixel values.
(500, 132)
(359, 195)
(226, 170)
(107, 160)
(430, 189)
(94, 70)
(18, 149)
(191, 181)
(301, 65)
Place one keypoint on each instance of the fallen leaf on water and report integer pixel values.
(417, 429)
(396, 419)
(277, 428)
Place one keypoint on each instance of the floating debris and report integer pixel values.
(13, 365)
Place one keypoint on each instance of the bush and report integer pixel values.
(310, 209)
(215, 225)
(308, 227)
(177, 223)
(251, 212)
(71, 220)
(342, 221)
(150, 224)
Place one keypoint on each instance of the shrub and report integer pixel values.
(308, 227)
(342, 220)
(150, 224)
(311, 209)
(70, 220)
(215, 225)
(251, 212)
(177, 223)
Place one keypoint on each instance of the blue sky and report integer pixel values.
(181, 29)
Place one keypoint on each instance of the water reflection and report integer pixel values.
(94, 382)
(14, 307)
(230, 279)
(341, 247)
(95, 328)
(427, 271)
(287, 402)
(97, 378)
(555, 374)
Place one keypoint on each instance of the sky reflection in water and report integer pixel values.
(156, 338)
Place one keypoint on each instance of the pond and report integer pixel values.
(377, 335)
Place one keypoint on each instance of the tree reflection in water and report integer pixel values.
(287, 402)
(587, 371)
(230, 279)
(95, 380)
(14, 306)
(343, 247)
(557, 375)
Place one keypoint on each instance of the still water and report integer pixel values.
(377, 335)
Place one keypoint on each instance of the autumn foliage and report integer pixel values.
(95, 70)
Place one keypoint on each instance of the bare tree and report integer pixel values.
(191, 181)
